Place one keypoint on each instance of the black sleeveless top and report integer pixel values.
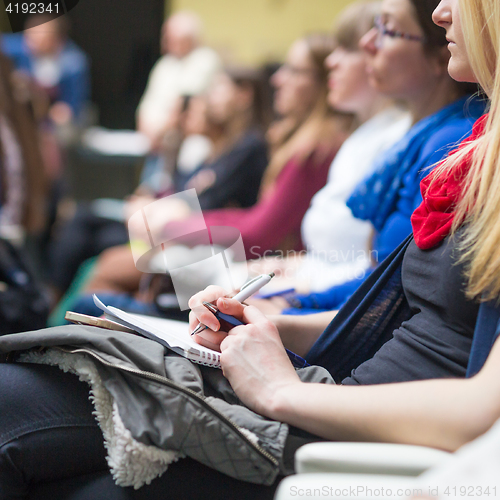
(435, 342)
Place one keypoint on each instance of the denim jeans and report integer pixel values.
(51, 447)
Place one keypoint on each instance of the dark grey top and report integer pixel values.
(435, 342)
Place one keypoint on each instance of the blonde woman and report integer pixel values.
(460, 208)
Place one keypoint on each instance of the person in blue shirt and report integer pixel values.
(56, 64)
(388, 197)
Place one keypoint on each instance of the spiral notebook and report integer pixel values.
(173, 335)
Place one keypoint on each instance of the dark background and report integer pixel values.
(122, 39)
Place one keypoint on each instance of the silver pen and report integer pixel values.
(246, 291)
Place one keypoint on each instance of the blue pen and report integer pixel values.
(246, 291)
(296, 360)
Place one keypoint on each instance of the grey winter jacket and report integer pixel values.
(155, 406)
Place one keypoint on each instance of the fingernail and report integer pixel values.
(224, 303)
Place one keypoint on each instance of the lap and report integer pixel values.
(47, 430)
(35, 397)
(51, 447)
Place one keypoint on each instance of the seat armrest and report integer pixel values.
(367, 458)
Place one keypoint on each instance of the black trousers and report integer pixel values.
(52, 448)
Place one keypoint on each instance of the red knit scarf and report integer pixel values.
(433, 219)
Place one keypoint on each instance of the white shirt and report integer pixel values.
(172, 77)
(338, 243)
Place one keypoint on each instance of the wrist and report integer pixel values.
(284, 326)
(283, 403)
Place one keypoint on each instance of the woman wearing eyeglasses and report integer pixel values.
(407, 59)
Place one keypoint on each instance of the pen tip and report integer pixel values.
(272, 275)
(198, 329)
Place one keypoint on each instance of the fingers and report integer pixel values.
(252, 318)
(210, 339)
(210, 294)
(252, 315)
(213, 294)
(231, 307)
(199, 313)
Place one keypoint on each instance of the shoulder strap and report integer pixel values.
(486, 332)
(366, 321)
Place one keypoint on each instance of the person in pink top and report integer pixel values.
(274, 222)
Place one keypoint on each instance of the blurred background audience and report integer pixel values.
(180, 99)
(44, 52)
(23, 207)
(185, 69)
(225, 168)
(304, 140)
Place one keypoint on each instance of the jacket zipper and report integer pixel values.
(186, 390)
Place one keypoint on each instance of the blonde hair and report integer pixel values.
(479, 206)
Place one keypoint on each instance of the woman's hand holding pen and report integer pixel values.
(254, 361)
(253, 357)
(213, 336)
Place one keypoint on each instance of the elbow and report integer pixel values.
(480, 412)
(479, 424)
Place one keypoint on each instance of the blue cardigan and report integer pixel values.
(374, 311)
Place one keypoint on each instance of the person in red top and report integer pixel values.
(274, 222)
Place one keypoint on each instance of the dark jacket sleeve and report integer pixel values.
(238, 174)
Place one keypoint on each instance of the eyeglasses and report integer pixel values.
(383, 30)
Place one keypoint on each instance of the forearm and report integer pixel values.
(298, 333)
(440, 413)
(333, 297)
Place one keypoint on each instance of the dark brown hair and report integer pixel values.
(255, 80)
(435, 36)
(320, 46)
